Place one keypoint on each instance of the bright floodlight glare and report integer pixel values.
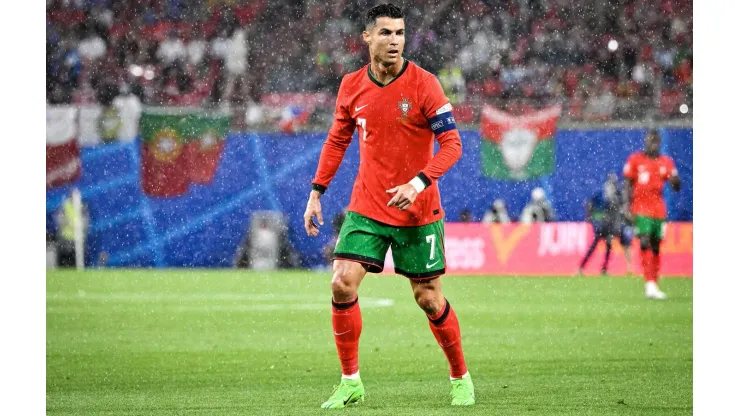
(136, 70)
(149, 74)
(613, 45)
(683, 109)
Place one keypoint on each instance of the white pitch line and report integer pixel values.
(174, 302)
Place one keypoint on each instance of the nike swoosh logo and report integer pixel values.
(360, 108)
(342, 332)
(432, 265)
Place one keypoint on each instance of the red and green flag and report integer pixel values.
(518, 147)
(163, 157)
(178, 147)
(205, 145)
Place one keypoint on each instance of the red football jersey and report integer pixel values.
(397, 124)
(648, 178)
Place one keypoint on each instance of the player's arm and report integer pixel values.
(673, 177)
(332, 153)
(589, 209)
(630, 174)
(438, 111)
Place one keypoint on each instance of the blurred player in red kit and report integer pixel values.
(399, 109)
(646, 173)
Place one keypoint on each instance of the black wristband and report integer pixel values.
(425, 179)
(319, 188)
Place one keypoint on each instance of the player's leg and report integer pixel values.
(418, 254)
(346, 321)
(346, 318)
(591, 248)
(628, 258)
(360, 248)
(645, 232)
(446, 330)
(442, 321)
(642, 224)
(625, 239)
(605, 265)
(656, 237)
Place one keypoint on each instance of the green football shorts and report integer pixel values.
(418, 252)
(653, 227)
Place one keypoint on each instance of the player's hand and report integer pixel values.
(405, 195)
(313, 208)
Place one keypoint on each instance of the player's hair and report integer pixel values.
(653, 133)
(382, 10)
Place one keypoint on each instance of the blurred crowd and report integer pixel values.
(600, 59)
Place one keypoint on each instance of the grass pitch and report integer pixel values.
(202, 342)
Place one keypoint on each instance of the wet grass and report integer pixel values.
(204, 342)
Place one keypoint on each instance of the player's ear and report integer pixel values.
(366, 36)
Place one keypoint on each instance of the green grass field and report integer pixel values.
(199, 342)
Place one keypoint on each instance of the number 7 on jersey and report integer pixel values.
(363, 124)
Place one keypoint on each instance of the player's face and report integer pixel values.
(386, 40)
(652, 144)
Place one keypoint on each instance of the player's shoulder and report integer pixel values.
(354, 77)
(665, 159)
(635, 156)
(418, 72)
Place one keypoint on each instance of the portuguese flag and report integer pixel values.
(163, 157)
(518, 147)
(204, 146)
(180, 146)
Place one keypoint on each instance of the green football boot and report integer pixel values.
(347, 392)
(463, 393)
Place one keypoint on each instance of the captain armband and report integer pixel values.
(443, 120)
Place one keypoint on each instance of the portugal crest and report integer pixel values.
(405, 106)
(166, 145)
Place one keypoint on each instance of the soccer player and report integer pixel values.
(603, 210)
(646, 173)
(398, 109)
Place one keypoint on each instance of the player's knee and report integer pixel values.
(655, 245)
(644, 243)
(429, 300)
(343, 288)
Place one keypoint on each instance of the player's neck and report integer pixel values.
(652, 155)
(385, 74)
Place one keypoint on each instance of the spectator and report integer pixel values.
(643, 74)
(196, 47)
(453, 82)
(236, 57)
(497, 213)
(542, 52)
(171, 49)
(601, 105)
(466, 216)
(91, 45)
(109, 121)
(538, 209)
